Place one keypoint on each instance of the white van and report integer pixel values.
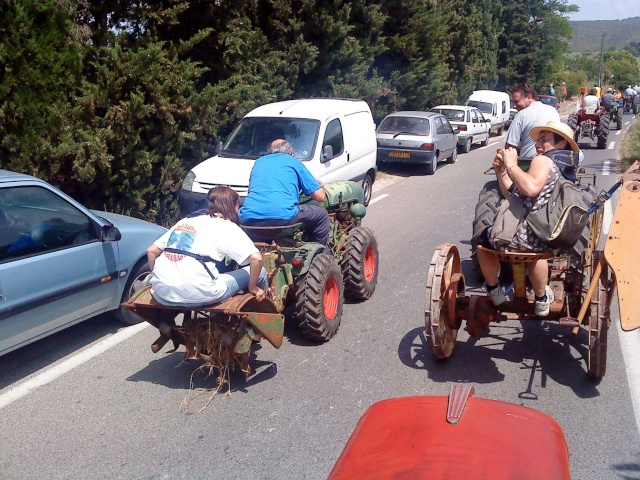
(494, 105)
(335, 138)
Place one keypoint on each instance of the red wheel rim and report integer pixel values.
(331, 298)
(369, 263)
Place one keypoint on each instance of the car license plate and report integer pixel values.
(400, 154)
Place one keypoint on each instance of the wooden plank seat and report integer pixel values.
(516, 258)
(271, 233)
(262, 315)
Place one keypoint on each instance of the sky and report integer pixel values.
(605, 9)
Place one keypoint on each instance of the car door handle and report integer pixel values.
(348, 157)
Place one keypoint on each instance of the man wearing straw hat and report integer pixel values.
(557, 154)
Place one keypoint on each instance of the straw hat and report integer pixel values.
(562, 129)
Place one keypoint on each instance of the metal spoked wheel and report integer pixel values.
(599, 319)
(444, 284)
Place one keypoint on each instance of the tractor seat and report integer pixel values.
(516, 257)
(271, 233)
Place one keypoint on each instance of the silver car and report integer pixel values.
(472, 124)
(61, 263)
(417, 137)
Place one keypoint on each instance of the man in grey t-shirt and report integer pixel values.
(531, 113)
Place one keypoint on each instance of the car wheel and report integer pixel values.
(466, 146)
(433, 164)
(135, 282)
(485, 142)
(454, 156)
(367, 187)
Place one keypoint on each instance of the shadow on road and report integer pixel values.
(544, 348)
(173, 372)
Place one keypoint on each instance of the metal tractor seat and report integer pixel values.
(272, 233)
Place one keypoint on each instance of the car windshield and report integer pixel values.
(409, 125)
(549, 101)
(253, 136)
(452, 115)
(484, 107)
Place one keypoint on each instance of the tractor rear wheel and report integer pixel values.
(619, 117)
(360, 264)
(572, 121)
(486, 210)
(319, 299)
(603, 131)
(599, 320)
(444, 283)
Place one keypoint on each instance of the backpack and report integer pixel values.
(561, 221)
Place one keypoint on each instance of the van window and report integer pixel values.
(484, 107)
(253, 135)
(333, 137)
(504, 107)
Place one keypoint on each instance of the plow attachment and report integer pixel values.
(220, 334)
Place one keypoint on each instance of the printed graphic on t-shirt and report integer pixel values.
(181, 238)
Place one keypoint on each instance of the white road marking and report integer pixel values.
(68, 365)
(606, 167)
(618, 132)
(377, 199)
(611, 145)
(627, 123)
(490, 145)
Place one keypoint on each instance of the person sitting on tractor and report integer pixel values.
(609, 100)
(187, 261)
(630, 91)
(274, 194)
(591, 101)
(534, 187)
(531, 113)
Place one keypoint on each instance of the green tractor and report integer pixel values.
(305, 278)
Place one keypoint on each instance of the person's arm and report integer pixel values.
(531, 182)
(255, 265)
(319, 195)
(504, 182)
(153, 252)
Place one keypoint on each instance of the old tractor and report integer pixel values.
(591, 125)
(301, 275)
(615, 114)
(583, 292)
(630, 103)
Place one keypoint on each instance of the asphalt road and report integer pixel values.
(122, 413)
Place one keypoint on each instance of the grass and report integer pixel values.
(630, 147)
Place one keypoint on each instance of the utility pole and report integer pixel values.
(601, 60)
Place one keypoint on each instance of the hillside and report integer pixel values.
(587, 35)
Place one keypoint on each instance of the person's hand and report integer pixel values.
(259, 293)
(498, 164)
(509, 158)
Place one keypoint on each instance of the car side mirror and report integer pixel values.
(110, 234)
(218, 148)
(327, 153)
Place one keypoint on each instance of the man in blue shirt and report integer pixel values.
(273, 199)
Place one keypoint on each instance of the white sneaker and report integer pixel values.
(497, 295)
(542, 306)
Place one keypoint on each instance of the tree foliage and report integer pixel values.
(114, 100)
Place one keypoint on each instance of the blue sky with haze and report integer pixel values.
(605, 9)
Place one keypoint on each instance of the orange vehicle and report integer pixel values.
(455, 437)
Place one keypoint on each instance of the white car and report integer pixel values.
(472, 124)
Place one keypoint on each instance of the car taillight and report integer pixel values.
(426, 146)
(462, 128)
(378, 142)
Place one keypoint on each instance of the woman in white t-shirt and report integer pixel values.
(184, 260)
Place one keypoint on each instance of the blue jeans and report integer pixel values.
(235, 280)
(316, 219)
